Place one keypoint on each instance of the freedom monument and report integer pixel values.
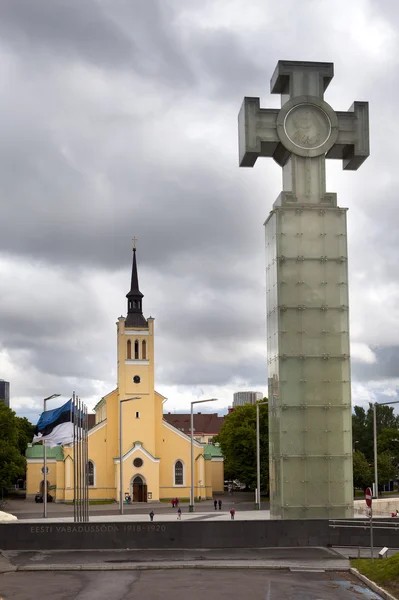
(308, 355)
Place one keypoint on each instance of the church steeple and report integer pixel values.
(135, 298)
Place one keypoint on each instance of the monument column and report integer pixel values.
(310, 440)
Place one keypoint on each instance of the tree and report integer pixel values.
(362, 473)
(363, 427)
(388, 441)
(12, 462)
(386, 470)
(26, 432)
(237, 440)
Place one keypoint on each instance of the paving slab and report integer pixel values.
(303, 559)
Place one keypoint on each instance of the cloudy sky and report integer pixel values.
(119, 118)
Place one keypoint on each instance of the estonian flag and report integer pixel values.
(55, 427)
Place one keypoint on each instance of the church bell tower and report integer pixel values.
(135, 341)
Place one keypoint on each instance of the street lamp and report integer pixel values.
(191, 506)
(375, 440)
(120, 452)
(257, 500)
(45, 461)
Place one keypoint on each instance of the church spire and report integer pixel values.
(135, 298)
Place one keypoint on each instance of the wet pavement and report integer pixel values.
(195, 584)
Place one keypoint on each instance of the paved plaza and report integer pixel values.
(196, 584)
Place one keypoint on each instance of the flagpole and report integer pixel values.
(86, 463)
(74, 456)
(80, 460)
(45, 460)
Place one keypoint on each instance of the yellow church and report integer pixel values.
(156, 455)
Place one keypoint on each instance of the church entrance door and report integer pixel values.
(42, 487)
(139, 490)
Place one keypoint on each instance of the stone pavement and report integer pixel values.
(195, 584)
(300, 559)
(248, 515)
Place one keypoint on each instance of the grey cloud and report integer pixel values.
(91, 156)
(386, 366)
(71, 30)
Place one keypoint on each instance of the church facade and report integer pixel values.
(155, 454)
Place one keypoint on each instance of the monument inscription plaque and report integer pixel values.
(308, 355)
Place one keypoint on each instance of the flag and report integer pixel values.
(55, 427)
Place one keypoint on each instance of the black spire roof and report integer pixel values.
(134, 300)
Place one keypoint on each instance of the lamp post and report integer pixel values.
(257, 502)
(191, 506)
(120, 452)
(45, 461)
(375, 440)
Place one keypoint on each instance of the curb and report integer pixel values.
(181, 565)
(373, 586)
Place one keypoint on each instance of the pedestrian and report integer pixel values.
(215, 504)
(152, 515)
(232, 513)
(179, 514)
(220, 505)
(177, 501)
(173, 502)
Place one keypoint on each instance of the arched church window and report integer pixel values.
(129, 350)
(90, 472)
(134, 303)
(178, 472)
(144, 350)
(136, 350)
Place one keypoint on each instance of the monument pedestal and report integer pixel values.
(308, 363)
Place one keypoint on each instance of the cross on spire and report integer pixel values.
(134, 243)
(304, 132)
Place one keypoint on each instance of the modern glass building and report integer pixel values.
(5, 392)
(241, 398)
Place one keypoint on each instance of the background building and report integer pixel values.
(5, 392)
(241, 398)
(206, 425)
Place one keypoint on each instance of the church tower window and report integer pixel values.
(136, 350)
(144, 350)
(129, 350)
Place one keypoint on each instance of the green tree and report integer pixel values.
(360, 435)
(362, 473)
(386, 470)
(363, 427)
(237, 440)
(12, 462)
(26, 431)
(388, 441)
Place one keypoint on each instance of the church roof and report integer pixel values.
(36, 451)
(212, 451)
(205, 423)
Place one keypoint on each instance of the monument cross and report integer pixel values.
(134, 243)
(304, 132)
(308, 351)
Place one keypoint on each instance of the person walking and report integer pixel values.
(215, 504)
(152, 515)
(220, 505)
(232, 513)
(177, 502)
(173, 502)
(179, 514)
